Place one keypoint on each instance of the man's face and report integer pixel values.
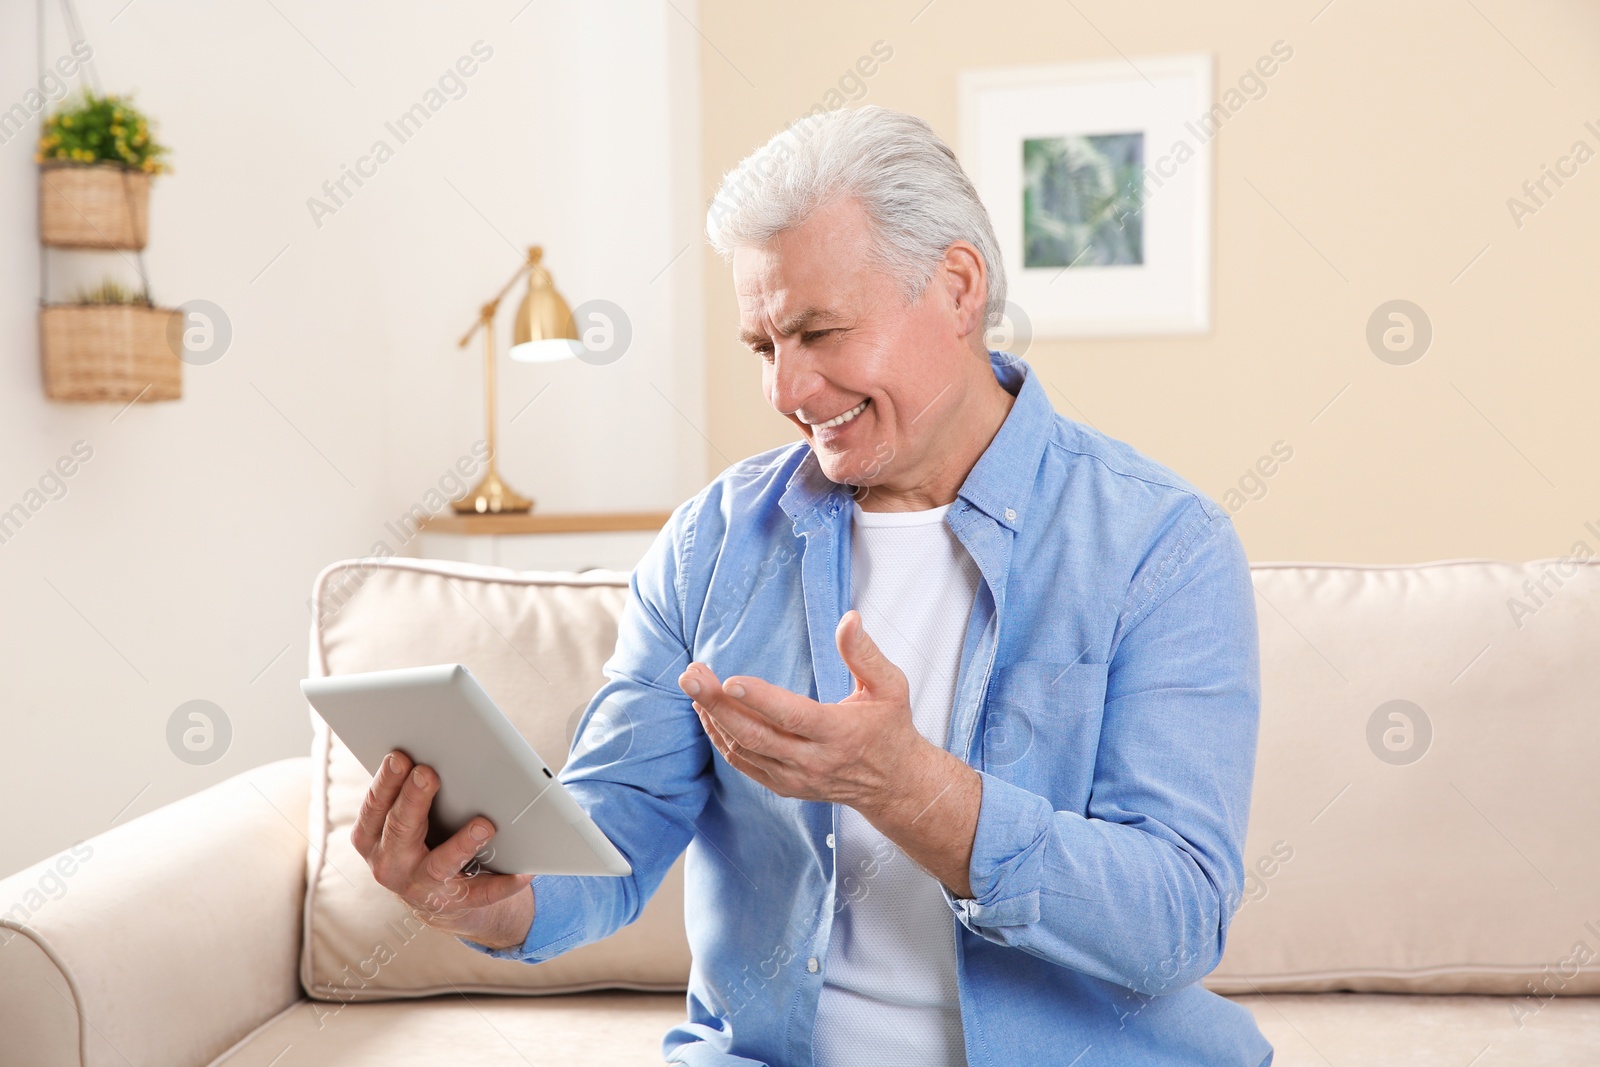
(838, 340)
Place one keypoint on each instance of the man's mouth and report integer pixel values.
(840, 420)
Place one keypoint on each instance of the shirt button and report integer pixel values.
(1011, 515)
(811, 965)
(830, 840)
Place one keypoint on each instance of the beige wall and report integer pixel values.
(1391, 142)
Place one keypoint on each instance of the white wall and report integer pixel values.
(178, 563)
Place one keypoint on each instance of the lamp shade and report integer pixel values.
(543, 331)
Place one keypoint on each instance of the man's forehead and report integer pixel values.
(786, 321)
(802, 277)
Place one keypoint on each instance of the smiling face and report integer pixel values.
(888, 394)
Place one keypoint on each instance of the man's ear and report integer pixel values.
(967, 283)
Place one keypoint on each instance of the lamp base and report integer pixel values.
(492, 497)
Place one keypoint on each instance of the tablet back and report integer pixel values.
(440, 716)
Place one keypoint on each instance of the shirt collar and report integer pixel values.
(999, 484)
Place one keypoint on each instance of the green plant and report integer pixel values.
(94, 128)
(109, 292)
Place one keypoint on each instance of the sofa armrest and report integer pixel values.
(164, 940)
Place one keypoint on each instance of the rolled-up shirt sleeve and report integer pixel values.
(560, 922)
(1139, 890)
(647, 783)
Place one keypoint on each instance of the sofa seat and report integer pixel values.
(622, 1028)
(600, 1029)
(1378, 1029)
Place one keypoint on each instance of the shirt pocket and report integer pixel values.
(1041, 728)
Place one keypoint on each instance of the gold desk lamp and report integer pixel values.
(543, 332)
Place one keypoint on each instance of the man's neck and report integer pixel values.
(939, 486)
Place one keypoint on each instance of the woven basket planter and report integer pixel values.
(115, 352)
(93, 205)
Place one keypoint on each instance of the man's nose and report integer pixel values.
(794, 379)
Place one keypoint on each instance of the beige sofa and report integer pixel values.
(1424, 886)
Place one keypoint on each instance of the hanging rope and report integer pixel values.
(69, 15)
(89, 76)
(44, 262)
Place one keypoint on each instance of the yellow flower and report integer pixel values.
(66, 120)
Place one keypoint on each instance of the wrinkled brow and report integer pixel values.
(795, 324)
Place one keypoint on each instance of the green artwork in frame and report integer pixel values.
(1081, 200)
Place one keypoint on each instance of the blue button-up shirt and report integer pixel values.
(1108, 697)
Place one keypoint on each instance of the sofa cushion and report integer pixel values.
(1425, 792)
(625, 1030)
(1319, 1029)
(537, 643)
(593, 1029)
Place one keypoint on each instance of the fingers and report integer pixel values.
(719, 737)
(714, 730)
(391, 832)
(475, 890)
(483, 890)
(406, 826)
(762, 768)
(788, 711)
(740, 757)
(447, 860)
(380, 798)
(741, 721)
(450, 898)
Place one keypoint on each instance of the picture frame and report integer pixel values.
(1098, 179)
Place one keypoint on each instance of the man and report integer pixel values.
(953, 702)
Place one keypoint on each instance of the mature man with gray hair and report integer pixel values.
(1005, 828)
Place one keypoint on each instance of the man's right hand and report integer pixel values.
(495, 910)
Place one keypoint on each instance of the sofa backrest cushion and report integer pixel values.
(537, 643)
(1426, 795)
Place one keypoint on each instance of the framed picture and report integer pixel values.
(1097, 177)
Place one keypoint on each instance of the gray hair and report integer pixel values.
(919, 199)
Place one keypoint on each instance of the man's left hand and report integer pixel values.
(859, 752)
(863, 752)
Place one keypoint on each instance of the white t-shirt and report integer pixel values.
(889, 994)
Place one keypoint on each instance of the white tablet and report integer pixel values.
(441, 716)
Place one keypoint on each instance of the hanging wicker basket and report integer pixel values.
(93, 205)
(115, 352)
